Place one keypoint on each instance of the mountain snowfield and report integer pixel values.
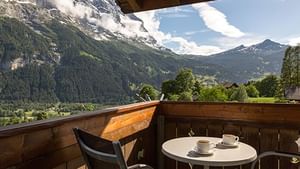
(101, 19)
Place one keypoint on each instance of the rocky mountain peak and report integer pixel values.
(100, 19)
(268, 45)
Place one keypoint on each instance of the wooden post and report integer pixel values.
(160, 139)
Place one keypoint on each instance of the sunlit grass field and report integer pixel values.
(261, 100)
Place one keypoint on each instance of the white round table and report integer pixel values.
(181, 149)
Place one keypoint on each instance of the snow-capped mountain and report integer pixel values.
(89, 51)
(100, 19)
(252, 61)
(266, 47)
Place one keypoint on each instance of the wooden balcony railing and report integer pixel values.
(51, 143)
(143, 127)
(263, 126)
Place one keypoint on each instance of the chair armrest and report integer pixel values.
(297, 155)
(140, 166)
(275, 153)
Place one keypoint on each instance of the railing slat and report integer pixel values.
(11, 150)
(215, 130)
(199, 128)
(170, 133)
(268, 142)
(287, 144)
(232, 129)
(183, 129)
(148, 141)
(250, 135)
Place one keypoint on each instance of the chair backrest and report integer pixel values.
(99, 153)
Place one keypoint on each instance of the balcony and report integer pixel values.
(143, 127)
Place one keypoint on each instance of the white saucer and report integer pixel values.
(221, 143)
(210, 152)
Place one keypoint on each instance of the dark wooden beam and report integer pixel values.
(134, 5)
(144, 5)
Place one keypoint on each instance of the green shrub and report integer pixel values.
(150, 91)
(173, 97)
(240, 94)
(215, 94)
(252, 91)
(185, 96)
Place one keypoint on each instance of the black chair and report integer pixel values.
(295, 156)
(99, 153)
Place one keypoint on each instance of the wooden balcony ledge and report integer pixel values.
(143, 127)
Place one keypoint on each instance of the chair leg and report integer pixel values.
(275, 153)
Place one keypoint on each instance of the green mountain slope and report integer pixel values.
(59, 62)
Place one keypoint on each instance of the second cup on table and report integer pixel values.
(204, 146)
(230, 139)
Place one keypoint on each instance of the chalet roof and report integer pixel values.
(130, 6)
(292, 93)
(229, 85)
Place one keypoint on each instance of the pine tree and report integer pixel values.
(290, 72)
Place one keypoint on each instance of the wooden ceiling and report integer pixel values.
(130, 6)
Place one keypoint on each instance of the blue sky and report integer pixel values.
(208, 28)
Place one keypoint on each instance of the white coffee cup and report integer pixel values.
(204, 146)
(230, 139)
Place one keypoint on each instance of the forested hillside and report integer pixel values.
(61, 63)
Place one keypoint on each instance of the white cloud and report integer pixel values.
(132, 28)
(152, 23)
(190, 47)
(294, 41)
(189, 33)
(216, 20)
(127, 27)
